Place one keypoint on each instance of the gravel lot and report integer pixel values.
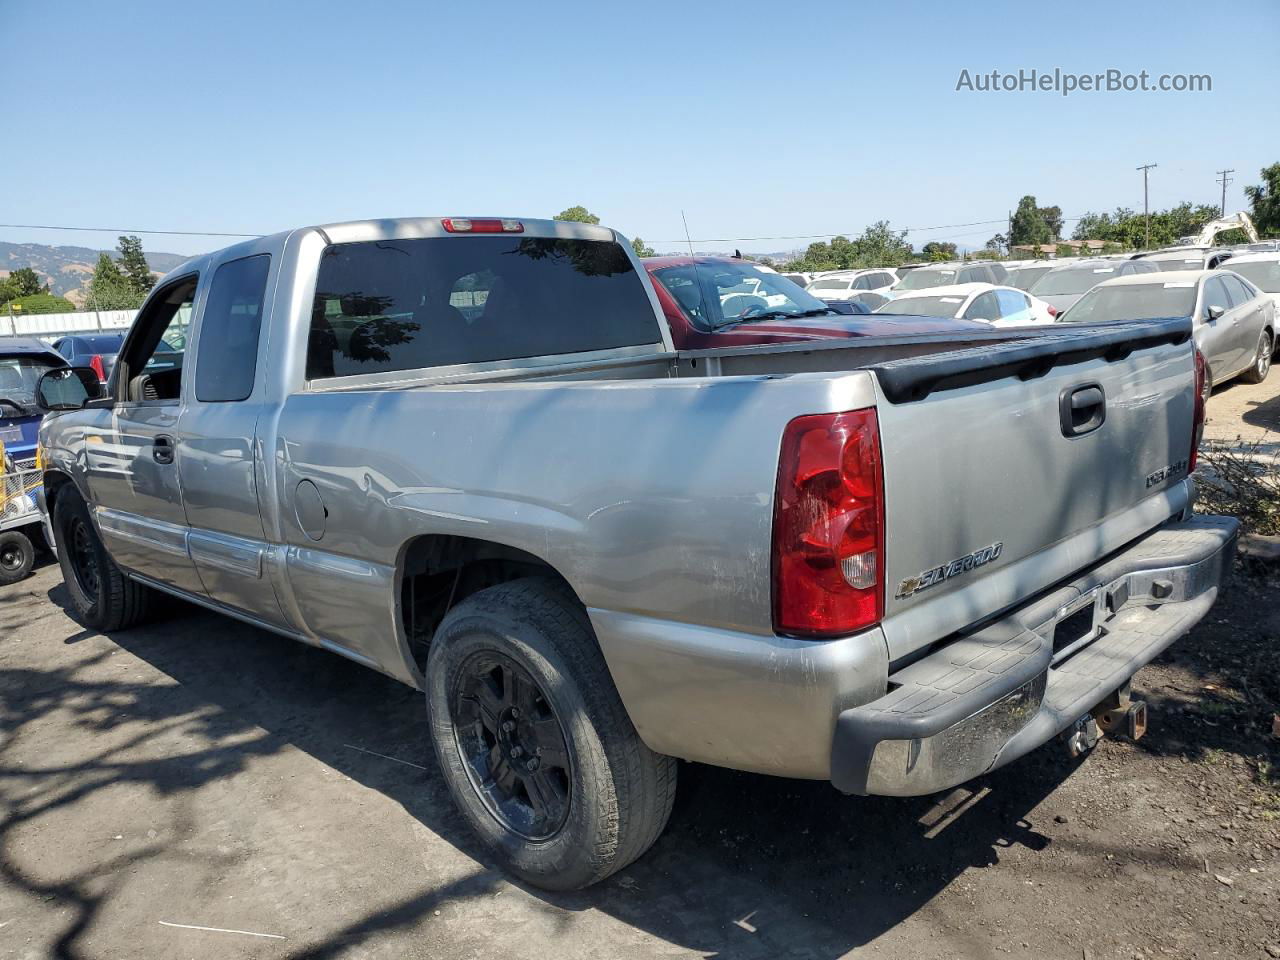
(200, 773)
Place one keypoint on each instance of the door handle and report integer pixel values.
(1082, 409)
(162, 449)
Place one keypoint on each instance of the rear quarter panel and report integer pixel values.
(652, 496)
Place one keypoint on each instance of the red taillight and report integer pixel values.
(1053, 311)
(1197, 417)
(828, 526)
(463, 225)
(95, 364)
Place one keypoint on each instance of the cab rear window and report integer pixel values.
(391, 305)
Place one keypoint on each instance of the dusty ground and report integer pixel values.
(1247, 412)
(200, 772)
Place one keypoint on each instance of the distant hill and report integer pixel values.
(67, 270)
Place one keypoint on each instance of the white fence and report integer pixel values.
(51, 326)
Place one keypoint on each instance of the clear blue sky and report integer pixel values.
(756, 119)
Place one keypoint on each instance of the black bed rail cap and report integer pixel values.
(1027, 358)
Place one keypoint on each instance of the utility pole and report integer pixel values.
(1224, 180)
(1146, 206)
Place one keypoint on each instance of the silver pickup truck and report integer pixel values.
(464, 452)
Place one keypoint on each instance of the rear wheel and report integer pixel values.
(102, 596)
(534, 743)
(17, 554)
(1261, 366)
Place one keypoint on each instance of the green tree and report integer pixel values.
(577, 215)
(110, 288)
(938, 251)
(25, 282)
(1264, 202)
(997, 243)
(1029, 225)
(1053, 219)
(879, 245)
(639, 246)
(1127, 228)
(134, 266)
(1063, 250)
(43, 302)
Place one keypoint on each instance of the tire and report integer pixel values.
(1261, 366)
(17, 555)
(605, 796)
(103, 597)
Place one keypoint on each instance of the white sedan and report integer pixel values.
(998, 306)
(847, 284)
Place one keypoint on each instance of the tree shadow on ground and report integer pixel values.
(749, 865)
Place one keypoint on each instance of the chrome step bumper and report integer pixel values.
(988, 698)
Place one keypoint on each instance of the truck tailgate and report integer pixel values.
(1007, 470)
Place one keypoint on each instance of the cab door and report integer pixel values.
(130, 455)
(217, 448)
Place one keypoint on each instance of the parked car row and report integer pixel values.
(1233, 320)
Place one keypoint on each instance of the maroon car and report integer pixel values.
(723, 302)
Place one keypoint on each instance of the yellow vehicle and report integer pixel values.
(19, 518)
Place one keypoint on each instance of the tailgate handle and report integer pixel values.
(1082, 409)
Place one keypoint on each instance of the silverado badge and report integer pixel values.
(929, 578)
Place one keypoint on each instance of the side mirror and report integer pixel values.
(67, 388)
(1214, 312)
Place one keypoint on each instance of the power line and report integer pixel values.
(833, 233)
(685, 239)
(123, 230)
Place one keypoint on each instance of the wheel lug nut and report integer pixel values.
(517, 751)
(508, 726)
(515, 711)
(531, 765)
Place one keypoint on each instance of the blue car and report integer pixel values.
(22, 363)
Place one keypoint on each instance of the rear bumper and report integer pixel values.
(992, 696)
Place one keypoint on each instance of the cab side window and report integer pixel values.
(229, 330)
(152, 358)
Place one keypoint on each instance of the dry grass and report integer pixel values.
(1242, 481)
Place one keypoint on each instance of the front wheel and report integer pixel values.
(533, 740)
(101, 595)
(17, 555)
(1261, 365)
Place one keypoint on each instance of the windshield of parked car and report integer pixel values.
(923, 306)
(18, 376)
(924, 279)
(713, 294)
(1263, 274)
(831, 283)
(1024, 277)
(1138, 301)
(1178, 263)
(1068, 280)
